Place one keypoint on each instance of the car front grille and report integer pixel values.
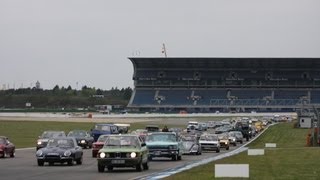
(158, 147)
(118, 155)
(208, 145)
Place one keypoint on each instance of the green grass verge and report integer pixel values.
(290, 160)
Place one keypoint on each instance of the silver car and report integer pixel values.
(191, 144)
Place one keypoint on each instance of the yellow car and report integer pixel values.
(224, 140)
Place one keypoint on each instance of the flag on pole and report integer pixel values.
(164, 51)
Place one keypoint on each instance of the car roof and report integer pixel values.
(207, 134)
(122, 125)
(78, 130)
(72, 138)
(163, 133)
(118, 135)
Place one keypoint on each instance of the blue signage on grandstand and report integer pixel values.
(225, 84)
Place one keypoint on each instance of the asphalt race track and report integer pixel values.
(24, 166)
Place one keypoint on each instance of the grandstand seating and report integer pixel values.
(289, 94)
(176, 97)
(145, 97)
(215, 83)
(315, 97)
(250, 94)
(207, 95)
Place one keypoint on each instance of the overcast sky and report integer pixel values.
(68, 41)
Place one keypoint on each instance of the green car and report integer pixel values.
(164, 144)
(123, 151)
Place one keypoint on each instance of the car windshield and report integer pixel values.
(102, 138)
(222, 136)
(188, 138)
(60, 143)
(122, 141)
(209, 138)
(2, 141)
(161, 137)
(102, 127)
(77, 134)
(52, 134)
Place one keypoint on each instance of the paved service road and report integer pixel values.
(24, 166)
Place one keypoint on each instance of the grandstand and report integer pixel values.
(225, 84)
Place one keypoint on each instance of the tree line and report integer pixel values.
(63, 97)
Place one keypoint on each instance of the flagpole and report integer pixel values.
(164, 50)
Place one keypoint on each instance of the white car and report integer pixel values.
(210, 142)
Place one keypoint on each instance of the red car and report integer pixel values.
(96, 146)
(6, 147)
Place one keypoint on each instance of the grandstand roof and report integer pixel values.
(223, 62)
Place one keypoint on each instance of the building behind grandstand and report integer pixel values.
(225, 84)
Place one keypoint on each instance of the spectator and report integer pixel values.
(165, 129)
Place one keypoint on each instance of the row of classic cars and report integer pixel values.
(83, 138)
(136, 149)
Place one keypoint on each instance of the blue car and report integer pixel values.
(100, 129)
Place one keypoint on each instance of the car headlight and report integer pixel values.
(82, 141)
(102, 155)
(133, 155)
(67, 153)
(39, 153)
(39, 142)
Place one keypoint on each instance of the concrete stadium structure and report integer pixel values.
(225, 84)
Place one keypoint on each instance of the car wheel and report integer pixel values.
(227, 148)
(110, 168)
(139, 167)
(94, 155)
(179, 157)
(79, 161)
(2, 155)
(146, 166)
(174, 158)
(70, 163)
(241, 142)
(218, 150)
(40, 163)
(101, 168)
(234, 144)
(51, 163)
(12, 154)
